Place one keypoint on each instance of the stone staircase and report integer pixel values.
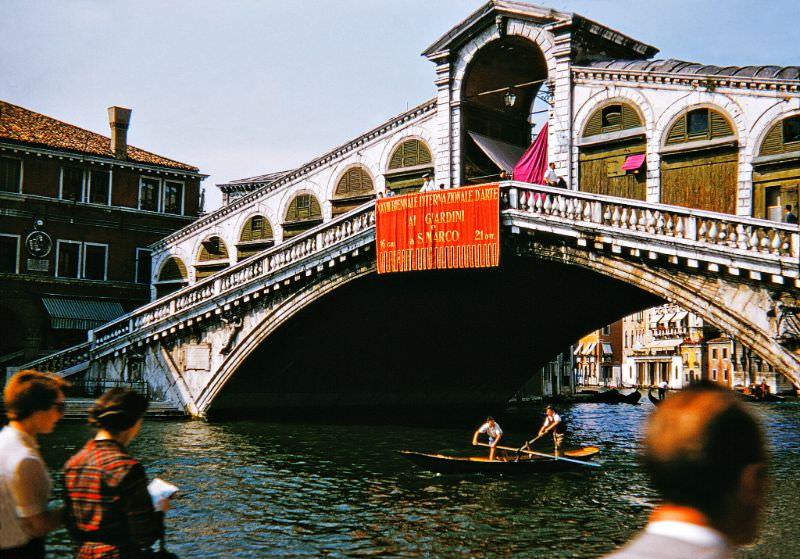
(77, 408)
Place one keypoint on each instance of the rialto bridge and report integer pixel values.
(677, 177)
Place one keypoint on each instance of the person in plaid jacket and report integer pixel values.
(110, 513)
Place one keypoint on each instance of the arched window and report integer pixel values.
(303, 213)
(353, 189)
(171, 277)
(612, 153)
(409, 162)
(213, 257)
(700, 162)
(256, 236)
(776, 171)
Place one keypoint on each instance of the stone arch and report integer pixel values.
(411, 133)
(390, 176)
(292, 228)
(212, 255)
(644, 110)
(342, 203)
(246, 245)
(722, 173)
(172, 274)
(773, 185)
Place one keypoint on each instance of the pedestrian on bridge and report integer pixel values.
(790, 217)
(706, 458)
(34, 403)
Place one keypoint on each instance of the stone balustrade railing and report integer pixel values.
(196, 298)
(745, 236)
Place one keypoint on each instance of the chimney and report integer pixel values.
(118, 119)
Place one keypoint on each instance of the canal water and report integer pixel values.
(257, 489)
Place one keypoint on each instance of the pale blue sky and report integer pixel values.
(240, 88)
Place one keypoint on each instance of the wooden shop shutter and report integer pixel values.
(257, 228)
(409, 154)
(173, 269)
(630, 118)
(773, 143)
(595, 124)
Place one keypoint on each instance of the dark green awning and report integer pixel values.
(80, 314)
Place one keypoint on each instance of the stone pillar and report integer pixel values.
(444, 125)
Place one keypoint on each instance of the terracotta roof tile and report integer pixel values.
(18, 124)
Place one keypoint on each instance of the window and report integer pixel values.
(724, 352)
(68, 255)
(149, 190)
(9, 254)
(791, 130)
(10, 174)
(697, 122)
(72, 184)
(606, 331)
(99, 187)
(143, 265)
(714, 353)
(173, 197)
(257, 226)
(612, 116)
(713, 374)
(724, 374)
(95, 261)
(303, 205)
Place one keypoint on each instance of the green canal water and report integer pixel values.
(257, 489)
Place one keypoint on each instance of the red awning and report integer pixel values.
(633, 162)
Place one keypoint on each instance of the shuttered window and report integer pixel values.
(257, 228)
(410, 154)
(783, 137)
(10, 173)
(304, 207)
(612, 118)
(213, 248)
(355, 182)
(173, 269)
(698, 125)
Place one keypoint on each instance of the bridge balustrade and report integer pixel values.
(776, 245)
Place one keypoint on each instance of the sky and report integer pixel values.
(243, 87)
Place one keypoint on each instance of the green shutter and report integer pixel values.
(719, 125)
(213, 248)
(677, 134)
(595, 124)
(773, 143)
(355, 182)
(253, 232)
(410, 154)
(630, 118)
(304, 207)
(173, 269)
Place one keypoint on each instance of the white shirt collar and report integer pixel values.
(688, 532)
(25, 438)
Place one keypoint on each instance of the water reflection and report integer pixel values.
(253, 489)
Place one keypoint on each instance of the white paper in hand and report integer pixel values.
(160, 490)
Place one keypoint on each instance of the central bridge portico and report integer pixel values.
(738, 273)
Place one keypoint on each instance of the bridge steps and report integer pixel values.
(77, 408)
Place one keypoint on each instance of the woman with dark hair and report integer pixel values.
(34, 403)
(109, 510)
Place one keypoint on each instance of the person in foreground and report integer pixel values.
(34, 403)
(705, 455)
(492, 430)
(110, 513)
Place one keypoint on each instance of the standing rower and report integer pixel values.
(492, 430)
(553, 422)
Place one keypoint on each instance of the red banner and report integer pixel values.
(455, 228)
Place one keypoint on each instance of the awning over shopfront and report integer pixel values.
(679, 316)
(502, 154)
(578, 349)
(589, 349)
(633, 162)
(656, 318)
(607, 349)
(666, 318)
(80, 314)
(664, 344)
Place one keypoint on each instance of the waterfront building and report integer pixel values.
(720, 361)
(80, 211)
(598, 357)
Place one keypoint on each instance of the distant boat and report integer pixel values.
(530, 464)
(612, 396)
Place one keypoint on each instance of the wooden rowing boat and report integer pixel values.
(653, 400)
(524, 464)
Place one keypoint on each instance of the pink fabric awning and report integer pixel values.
(633, 162)
(533, 164)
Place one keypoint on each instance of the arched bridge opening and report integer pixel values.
(427, 344)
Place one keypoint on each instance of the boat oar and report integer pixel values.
(543, 455)
(528, 444)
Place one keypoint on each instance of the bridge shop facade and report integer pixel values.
(673, 171)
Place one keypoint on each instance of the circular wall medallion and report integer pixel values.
(39, 244)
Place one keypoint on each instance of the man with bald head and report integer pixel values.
(705, 456)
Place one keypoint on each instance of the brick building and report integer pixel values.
(79, 211)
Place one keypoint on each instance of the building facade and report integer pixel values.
(598, 357)
(79, 213)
